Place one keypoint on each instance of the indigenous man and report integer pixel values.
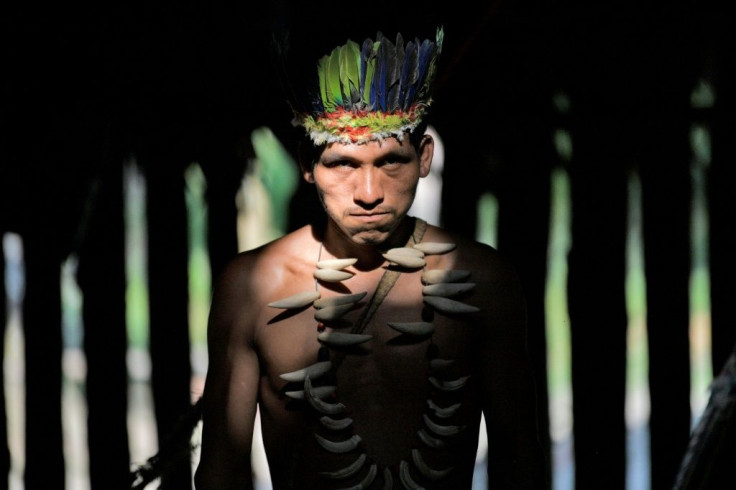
(372, 342)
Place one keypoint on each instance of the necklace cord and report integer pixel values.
(389, 278)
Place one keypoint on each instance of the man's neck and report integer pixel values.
(369, 256)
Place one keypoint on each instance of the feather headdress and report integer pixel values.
(371, 91)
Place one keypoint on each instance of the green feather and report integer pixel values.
(333, 78)
(349, 71)
(340, 73)
(322, 74)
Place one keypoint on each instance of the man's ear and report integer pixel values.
(426, 152)
(305, 163)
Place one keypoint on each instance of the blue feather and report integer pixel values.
(408, 72)
(394, 85)
(365, 54)
(383, 55)
(375, 92)
(423, 57)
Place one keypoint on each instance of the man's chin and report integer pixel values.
(370, 237)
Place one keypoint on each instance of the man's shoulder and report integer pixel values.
(270, 263)
(497, 287)
(484, 260)
(465, 247)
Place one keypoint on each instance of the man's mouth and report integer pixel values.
(369, 217)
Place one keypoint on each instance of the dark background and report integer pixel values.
(84, 87)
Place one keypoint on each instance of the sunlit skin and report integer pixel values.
(367, 190)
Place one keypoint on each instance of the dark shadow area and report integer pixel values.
(172, 83)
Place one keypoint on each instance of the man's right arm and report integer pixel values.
(231, 388)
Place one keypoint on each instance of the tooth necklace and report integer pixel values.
(439, 288)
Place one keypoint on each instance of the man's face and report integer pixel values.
(367, 189)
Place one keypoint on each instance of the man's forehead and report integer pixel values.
(369, 149)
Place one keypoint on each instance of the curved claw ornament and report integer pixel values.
(318, 392)
(388, 479)
(405, 260)
(296, 301)
(430, 441)
(437, 364)
(451, 385)
(317, 403)
(434, 248)
(330, 313)
(338, 447)
(314, 371)
(347, 471)
(335, 424)
(406, 478)
(442, 430)
(335, 264)
(339, 300)
(413, 328)
(447, 289)
(413, 251)
(436, 276)
(343, 339)
(425, 470)
(450, 306)
(443, 412)
(332, 275)
(367, 479)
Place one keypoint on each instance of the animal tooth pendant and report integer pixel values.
(347, 471)
(366, 481)
(442, 430)
(314, 371)
(388, 479)
(413, 328)
(329, 313)
(405, 260)
(447, 289)
(406, 478)
(413, 251)
(437, 364)
(335, 264)
(321, 406)
(436, 276)
(425, 470)
(332, 275)
(430, 441)
(318, 392)
(335, 424)
(446, 386)
(443, 412)
(338, 447)
(339, 300)
(343, 339)
(450, 306)
(434, 248)
(296, 301)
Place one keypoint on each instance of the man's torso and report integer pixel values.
(402, 407)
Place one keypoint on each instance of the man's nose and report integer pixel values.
(368, 190)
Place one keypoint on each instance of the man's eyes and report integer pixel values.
(338, 163)
(389, 163)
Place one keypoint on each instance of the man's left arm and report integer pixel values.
(515, 455)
